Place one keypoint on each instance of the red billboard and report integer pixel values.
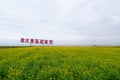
(36, 41)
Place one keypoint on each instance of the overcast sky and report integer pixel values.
(67, 22)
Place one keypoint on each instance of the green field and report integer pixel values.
(60, 63)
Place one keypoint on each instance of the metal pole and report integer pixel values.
(30, 46)
(43, 48)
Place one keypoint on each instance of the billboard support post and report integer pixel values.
(30, 47)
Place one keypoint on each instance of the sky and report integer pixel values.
(67, 22)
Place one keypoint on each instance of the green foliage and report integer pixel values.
(60, 63)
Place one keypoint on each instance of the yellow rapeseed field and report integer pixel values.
(60, 63)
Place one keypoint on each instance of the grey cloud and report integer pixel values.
(66, 21)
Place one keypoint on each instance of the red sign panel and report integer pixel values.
(41, 41)
(37, 41)
(46, 41)
(31, 40)
(22, 40)
(27, 40)
(50, 41)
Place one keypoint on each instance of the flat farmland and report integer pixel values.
(60, 63)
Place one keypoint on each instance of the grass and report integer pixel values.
(60, 63)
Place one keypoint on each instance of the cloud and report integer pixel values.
(66, 21)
